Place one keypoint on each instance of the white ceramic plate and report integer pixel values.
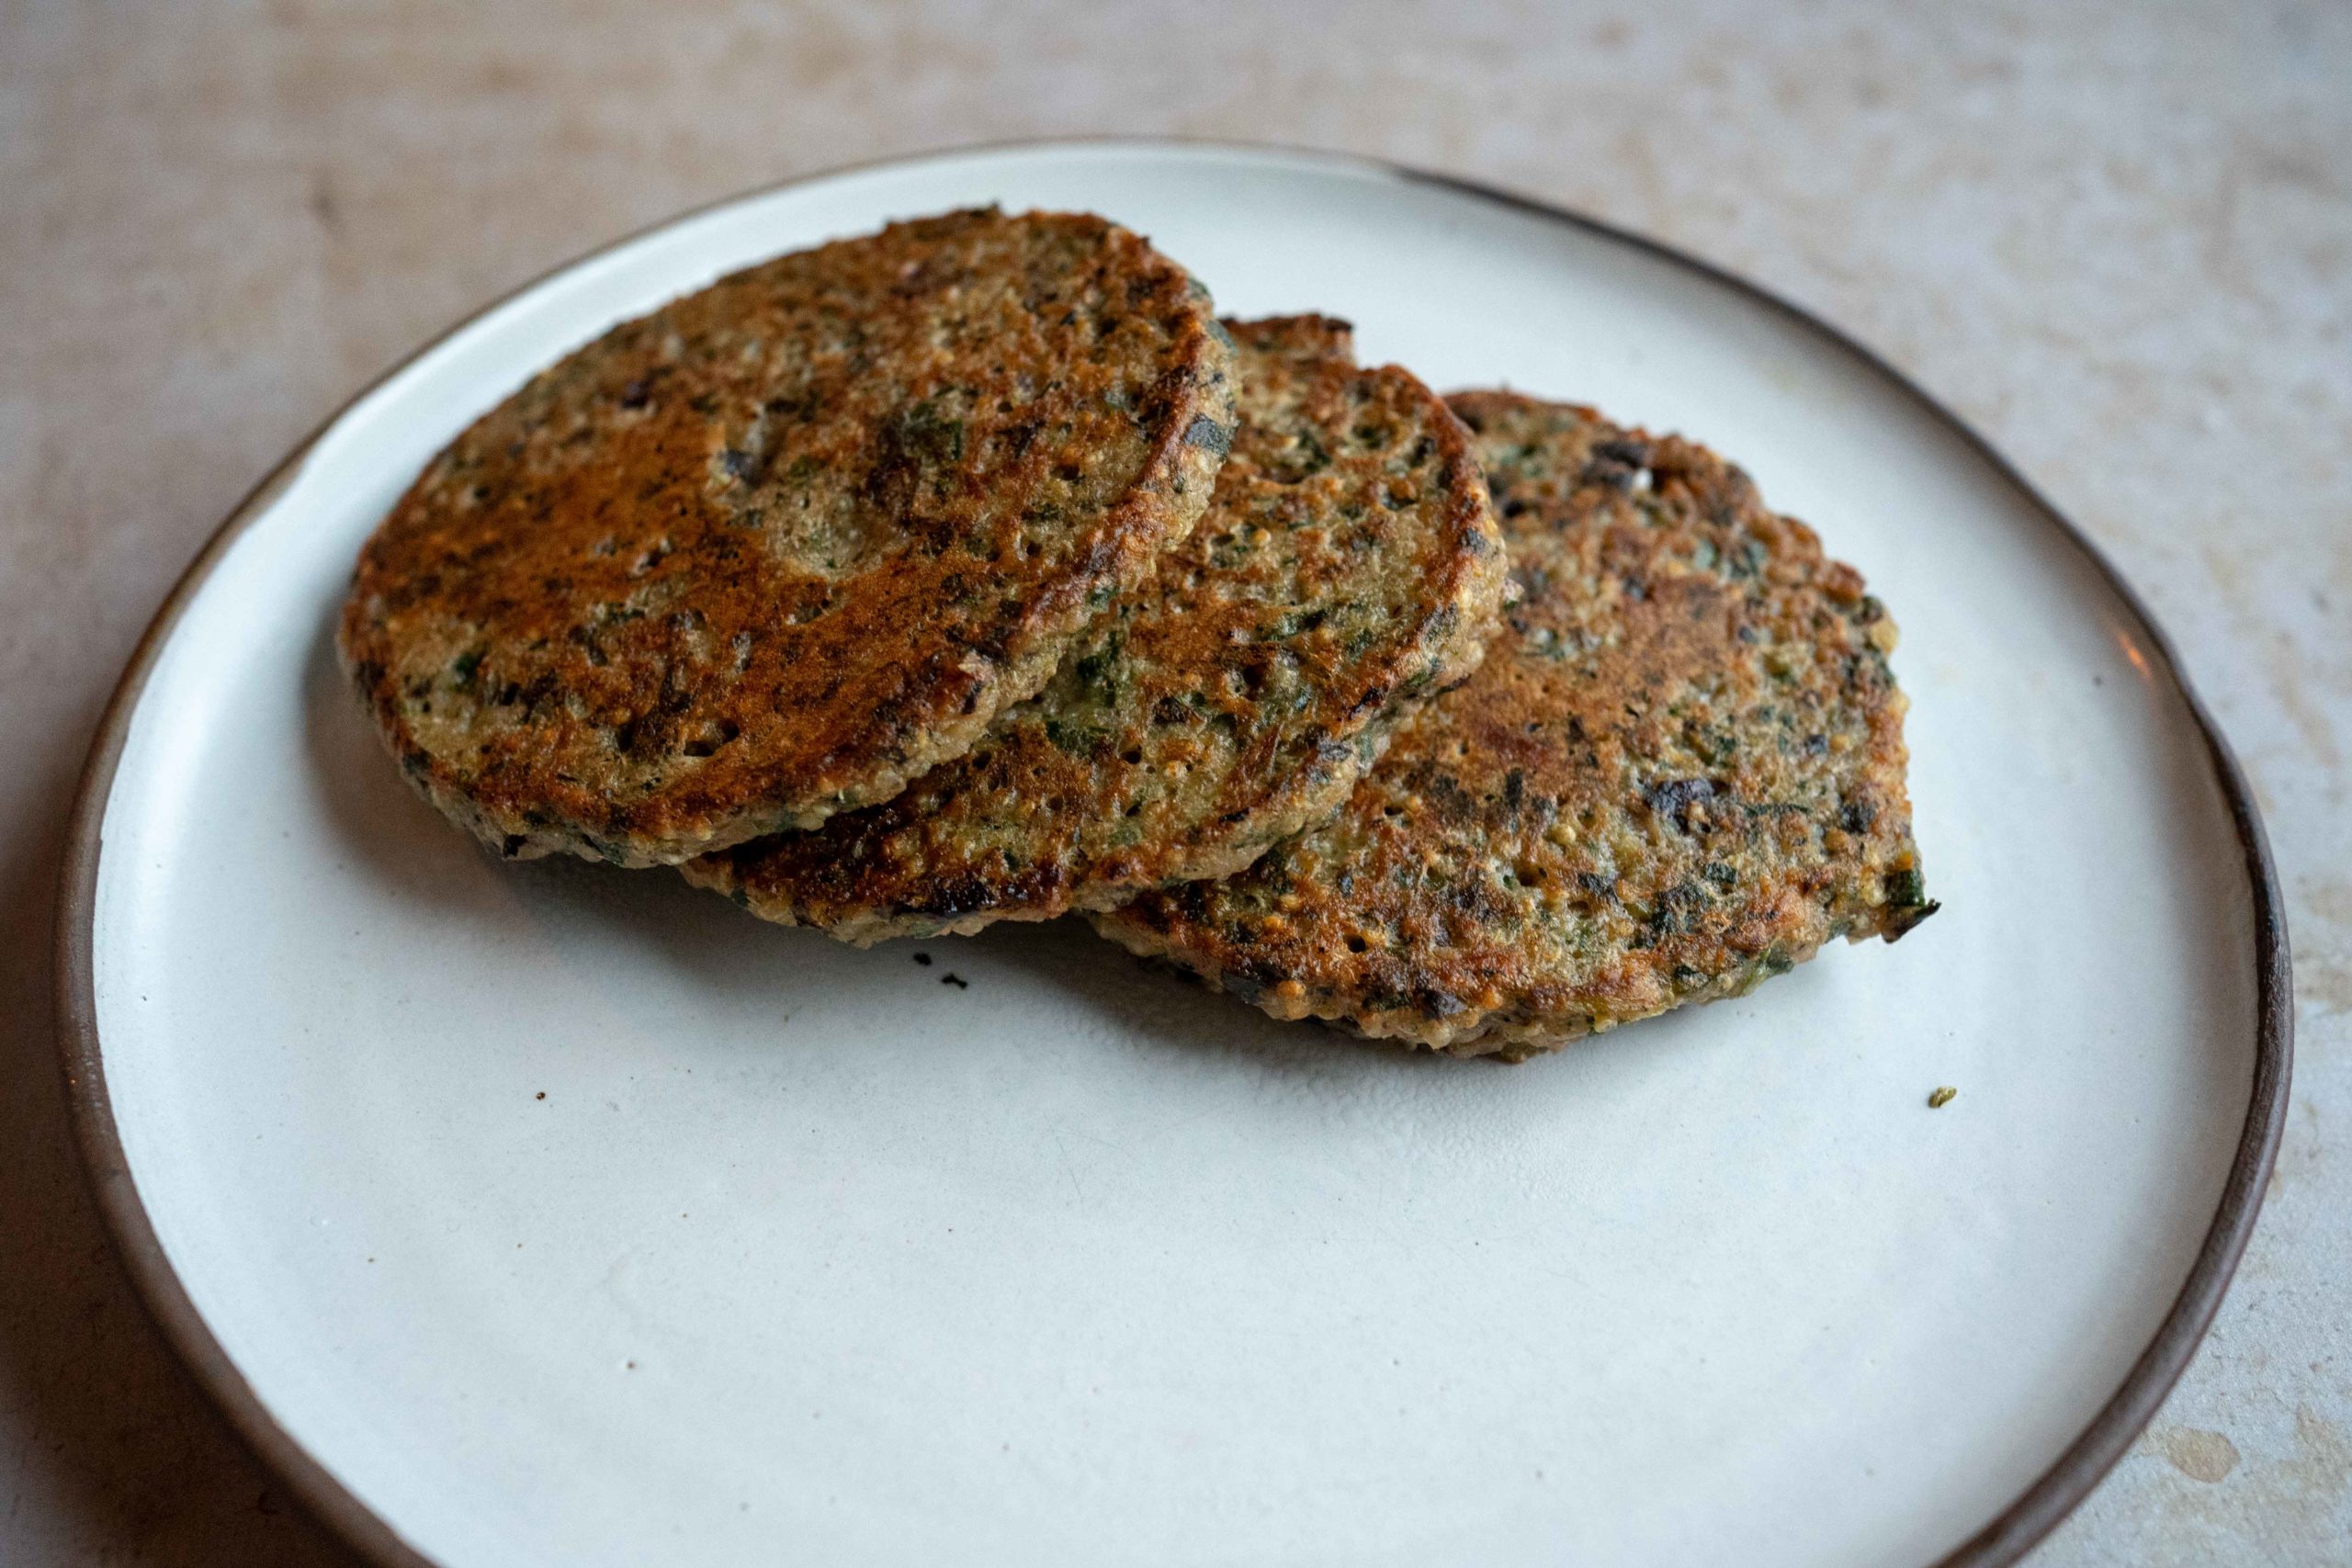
(548, 1214)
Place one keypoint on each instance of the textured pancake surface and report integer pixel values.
(1680, 770)
(1349, 568)
(776, 549)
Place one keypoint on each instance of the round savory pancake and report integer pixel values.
(778, 548)
(1678, 771)
(1349, 567)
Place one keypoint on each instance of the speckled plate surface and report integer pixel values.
(550, 1214)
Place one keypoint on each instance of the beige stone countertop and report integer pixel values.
(2116, 239)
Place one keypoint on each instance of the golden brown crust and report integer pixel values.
(1349, 567)
(1678, 771)
(784, 544)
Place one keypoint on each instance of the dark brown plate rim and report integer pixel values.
(2031, 1515)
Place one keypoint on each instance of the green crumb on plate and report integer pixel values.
(1942, 1098)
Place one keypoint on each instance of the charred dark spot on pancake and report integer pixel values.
(1907, 902)
(1437, 1003)
(1673, 798)
(1208, 435)
(961, 895)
